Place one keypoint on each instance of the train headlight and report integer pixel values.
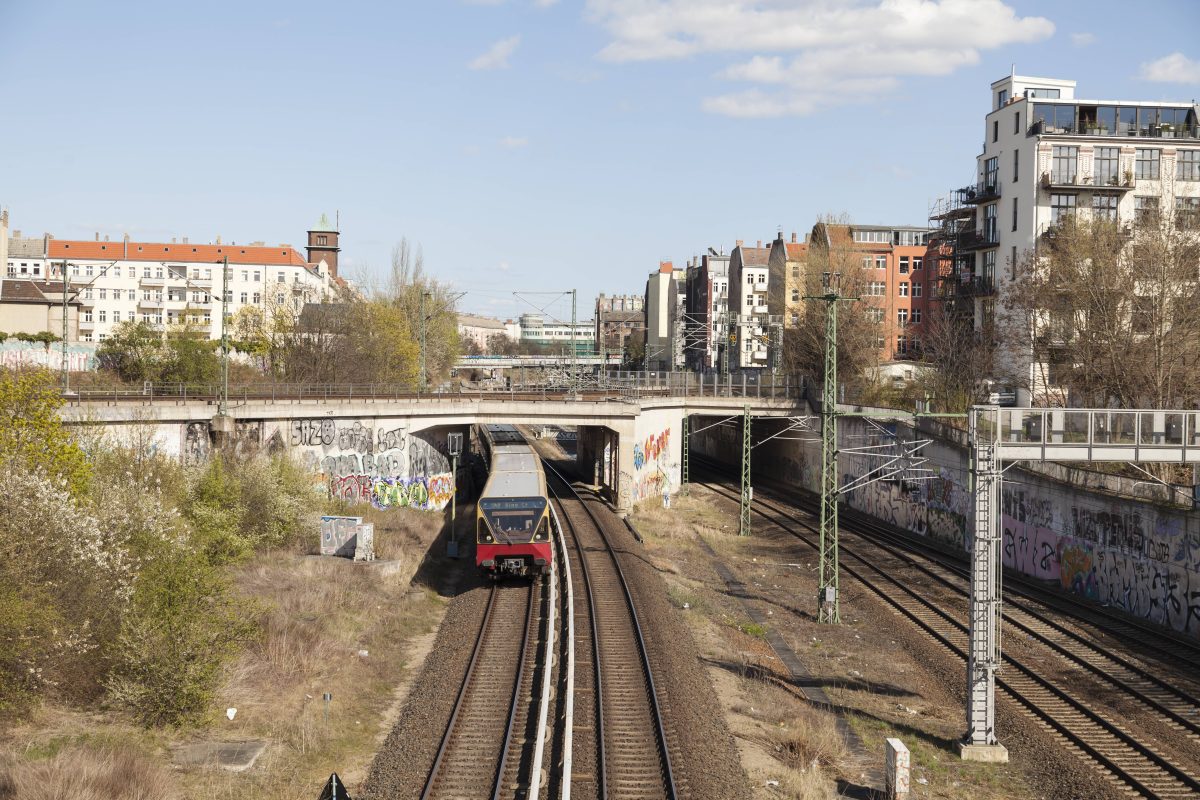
(487, 537)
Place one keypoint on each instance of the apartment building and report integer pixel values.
(749, 314)
(665, 311)
(707, 309)
(885, 266)
(788, 266)
(1048, 154)
(163, 284)
(480, 330)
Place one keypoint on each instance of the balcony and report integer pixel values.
(154, 302)
(979, 240)
(86, 324)
(1076, 182)
(977, 286)
(1121, 129)
(982, 192)
(156, 281)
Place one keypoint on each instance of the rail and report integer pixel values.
(569, 707)
(535, 774)
(652, 690)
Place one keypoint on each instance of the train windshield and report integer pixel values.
(513, 518)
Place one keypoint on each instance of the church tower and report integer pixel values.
(323, 244)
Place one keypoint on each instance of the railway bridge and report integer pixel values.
(631, 439)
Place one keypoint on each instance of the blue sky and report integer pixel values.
(531, 145)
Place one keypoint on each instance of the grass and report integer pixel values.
(83, 772)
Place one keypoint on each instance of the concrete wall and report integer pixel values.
(13, 354)
(1135, 555)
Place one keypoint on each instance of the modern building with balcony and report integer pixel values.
(1048, 154)
(753, 334)
(707, 309)
(171, 283)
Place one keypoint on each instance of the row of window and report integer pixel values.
(880, 262)
(174, 273)
(1106, 164)
(899, 238)
(1187, 209)
(879, 289)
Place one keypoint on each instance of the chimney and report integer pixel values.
(185, 240)
(739, 242)
(172, 240)
(759, 245)
(218, 240)
(106, 237)
(793, 237)
(16, 234)
(97, 239)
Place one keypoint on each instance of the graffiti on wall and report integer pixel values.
(196, 443)
(936, 507)
(651, 470)
(386, 466)
(653, 448)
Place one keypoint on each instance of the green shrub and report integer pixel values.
(32, 434)
(215, 511)
(184, 624)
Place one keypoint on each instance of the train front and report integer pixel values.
(513, 536)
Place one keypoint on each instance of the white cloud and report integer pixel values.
(1175, 68)
(496, 56)
(513, 142)
(503, 266)
(805, 55)
(1083, 39)
(545, 3)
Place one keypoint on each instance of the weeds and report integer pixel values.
(87, 773)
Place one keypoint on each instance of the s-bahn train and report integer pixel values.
(512, 517)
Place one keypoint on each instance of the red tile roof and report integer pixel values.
(755, 256)
(202, 253)
(796, 250)
(666, 266)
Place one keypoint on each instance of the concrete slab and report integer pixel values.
(232, 756)
(987, 753)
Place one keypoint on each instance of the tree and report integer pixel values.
(32, 434)
(133, 351)
(831, 250)
(1109, 313)
(957, 357)
(499, 344)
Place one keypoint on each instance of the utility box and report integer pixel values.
(896, 771)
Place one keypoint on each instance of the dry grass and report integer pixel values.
(87, 773)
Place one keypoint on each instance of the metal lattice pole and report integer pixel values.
(223, 406)
(421, 368)
(747, 490)
(684, 459)
(828, 601)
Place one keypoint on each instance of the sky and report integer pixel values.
(532, 146)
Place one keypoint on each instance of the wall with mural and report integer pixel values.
(1134, 555)
(81, 356)
(654, 467)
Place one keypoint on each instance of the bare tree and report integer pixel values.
(957, 356)
(1110, 313)
(860, 326)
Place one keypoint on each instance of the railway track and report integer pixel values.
(620, 748)
(1118, 754)
(483, 752)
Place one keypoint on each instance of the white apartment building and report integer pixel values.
(749, 289)
(1048, 154)
(169, 283)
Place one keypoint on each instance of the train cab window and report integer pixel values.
(484, 533)
(543, 532)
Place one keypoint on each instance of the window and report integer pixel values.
(322, 239)
(911, 238)
(903, 265)
(989, 223)
(916, 316)
(880, 262)
(877, 288)
(103, 336)
(1016, 124)
(86, 271)
(867, 261)
(1145, 208)
(1065, 164)
(1187, 212)
(132, 294)
(1104, 206)
(158, 273)
(1050, 94)
(1012, 264)
(875, 314)
(146, 272)
(995, 130)
(245, 297)
(1107, 166)
(1001, 98)
(1187, 165)
(87, 295)
(749, 279)
(916, 263)
(87, 337)
(74, 270)
(257, 298)
(879, 342)
(991, 169)
(102, 315)
(244, 275)
(129, 316)
(873, 237)
(1014, 220)
(87, 316)
(117, 271)
(916, 289)
(902, 345)
(1016, 165)
(1061, 206)
(279, 298)
(1145, 167)
(104, 294)
(902, 316)
(279, 278)
(256, 274)
(902, 289)
(989, 264)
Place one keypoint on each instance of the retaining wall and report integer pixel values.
(1139, 556)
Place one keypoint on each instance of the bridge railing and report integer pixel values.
(614, 385)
